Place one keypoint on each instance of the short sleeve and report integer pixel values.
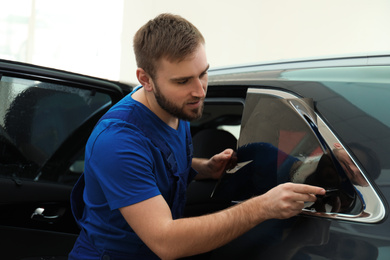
(121, 161)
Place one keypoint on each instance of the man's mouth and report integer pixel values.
(195, 103)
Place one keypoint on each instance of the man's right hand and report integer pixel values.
(287, 200)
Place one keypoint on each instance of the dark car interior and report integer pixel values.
(210, 138)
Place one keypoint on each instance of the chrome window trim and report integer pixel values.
(375, 210)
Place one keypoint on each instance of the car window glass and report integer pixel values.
(279, 143)
(362, 93)
(36, 117)
(360, 86)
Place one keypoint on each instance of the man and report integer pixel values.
(139, 161)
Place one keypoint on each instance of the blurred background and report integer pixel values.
(94, 37)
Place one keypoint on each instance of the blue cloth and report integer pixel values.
(130, 156)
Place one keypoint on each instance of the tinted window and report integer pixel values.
(36, 117)
(279, 142)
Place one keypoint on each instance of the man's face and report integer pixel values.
(180, 87)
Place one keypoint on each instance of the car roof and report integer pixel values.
(272, 70)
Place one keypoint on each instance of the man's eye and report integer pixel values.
(182, 82)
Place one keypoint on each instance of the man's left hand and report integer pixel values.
(216, 166)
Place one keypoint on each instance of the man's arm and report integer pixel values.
(171, 239)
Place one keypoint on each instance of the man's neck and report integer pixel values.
(148, 100)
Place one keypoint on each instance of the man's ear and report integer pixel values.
(144, 79)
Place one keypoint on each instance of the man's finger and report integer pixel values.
(308, 189)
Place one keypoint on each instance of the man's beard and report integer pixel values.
(175, 110)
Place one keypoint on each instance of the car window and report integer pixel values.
(359, 85)
(282, 140)
(279, 141)
(36, 117)
(362, 93)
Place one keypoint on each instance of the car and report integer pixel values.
(317, 121)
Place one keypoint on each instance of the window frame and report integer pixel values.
(374, 211)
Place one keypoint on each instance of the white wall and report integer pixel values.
(95, 36)
(247, 31)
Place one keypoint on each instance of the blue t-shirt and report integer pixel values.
(123, 167)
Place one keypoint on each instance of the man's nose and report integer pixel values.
(199, 88)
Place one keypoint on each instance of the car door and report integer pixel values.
(283, 139)
(45, 119)
(282, 135)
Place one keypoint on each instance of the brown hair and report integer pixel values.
(166, 36)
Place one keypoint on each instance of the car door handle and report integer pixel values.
(40, 216)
